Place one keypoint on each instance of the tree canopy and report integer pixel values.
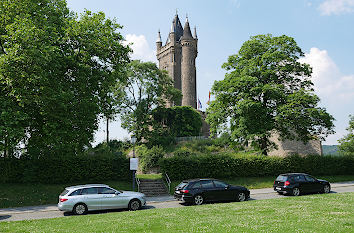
(266, 89)
(346, 146)
(56, 73)
(177, 121)
(146, 87)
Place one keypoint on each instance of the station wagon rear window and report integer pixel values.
(181, 185)
(64, 192)
(75, 193)
(282, 178)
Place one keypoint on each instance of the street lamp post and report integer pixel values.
(133, 140)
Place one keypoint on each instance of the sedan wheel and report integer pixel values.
(198, 200)
(134, 205)
(80, 209)
(296, 191)
(326, 189)
(241, 197)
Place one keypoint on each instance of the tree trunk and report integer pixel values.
(264, 146)
(107, 130)
(6, 150)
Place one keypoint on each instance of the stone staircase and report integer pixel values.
(153, 188)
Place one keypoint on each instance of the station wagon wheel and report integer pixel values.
(134, 205)
(80, 209)
(241, 196)
(326, 189)
(198, 200)
(296, 192)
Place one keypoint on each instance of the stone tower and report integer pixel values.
(178, 56)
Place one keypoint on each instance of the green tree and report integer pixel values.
(56, 70)
(268, 90)
(177, 121)
(346, 146)
(146, 88)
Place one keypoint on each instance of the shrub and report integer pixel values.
(80, 168)
(169, 123)
(226, 166)
(183, 152)
(148, 158)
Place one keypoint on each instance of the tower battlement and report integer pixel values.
(177, 56)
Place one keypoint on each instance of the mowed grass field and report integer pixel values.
(310, 213)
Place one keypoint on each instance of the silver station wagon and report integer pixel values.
(82, 198)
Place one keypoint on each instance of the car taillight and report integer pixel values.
(185, 191)
(63, 199)
(287, 183)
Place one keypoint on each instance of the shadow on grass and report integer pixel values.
(109, 211)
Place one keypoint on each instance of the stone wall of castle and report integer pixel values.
(288, 147)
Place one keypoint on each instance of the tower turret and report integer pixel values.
(188, 70)
(177, 56)
(158, 41)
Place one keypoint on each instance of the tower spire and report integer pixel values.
(172, 27)
(187, 31)
(158, 37)
(195, 32)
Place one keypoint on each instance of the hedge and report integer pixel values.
(226, 166)
(81, 168)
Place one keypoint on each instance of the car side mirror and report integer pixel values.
(227, 187)
(117, 193)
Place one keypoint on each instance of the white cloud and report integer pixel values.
(335, 89)
(336, 7)
(140, 47)
(235, 3)
(328, 79)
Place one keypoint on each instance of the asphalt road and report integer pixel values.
(51, 211)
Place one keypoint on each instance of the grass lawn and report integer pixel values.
(310, 213)
(15, 195)
(150, 176)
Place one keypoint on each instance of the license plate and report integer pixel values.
(277, 188)
(178, 192)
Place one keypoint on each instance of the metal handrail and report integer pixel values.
(168, 181)
(138, 183)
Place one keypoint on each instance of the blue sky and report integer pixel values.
(322, 28)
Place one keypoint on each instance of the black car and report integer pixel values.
(198, 191)
(299, 183)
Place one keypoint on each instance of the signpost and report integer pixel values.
(134, 167)
(134, 164)
(134, 161)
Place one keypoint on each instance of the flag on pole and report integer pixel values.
(199, 104)
(209, 99)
